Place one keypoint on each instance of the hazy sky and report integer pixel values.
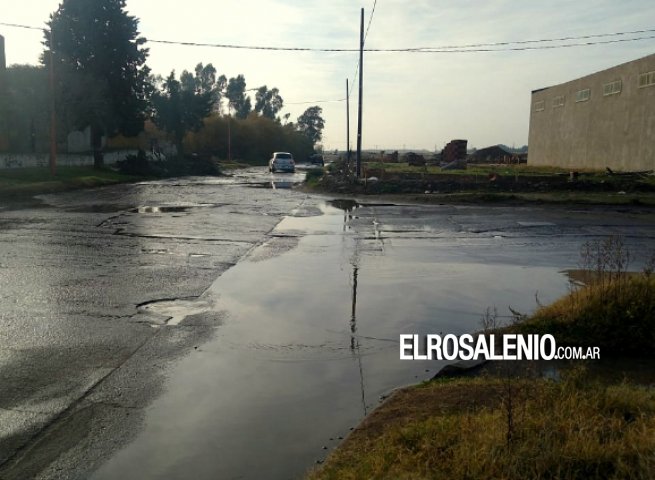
(420, 100)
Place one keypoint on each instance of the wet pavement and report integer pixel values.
(236, 328)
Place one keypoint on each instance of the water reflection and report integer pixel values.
(281, 185)
(311, 337)
(345, 204)
(354, 338)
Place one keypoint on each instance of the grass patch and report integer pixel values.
(233, 165)
(33, 181)
(458, 430)
(617, 315)
(314, 176)
(474, 169)
(499, 425)
(21, 176)
(492, 184)
(613, 309)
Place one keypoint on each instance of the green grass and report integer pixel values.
(458, 429)
(473, 169)
(233, 165)
(32, 181)
(586, 426)
(617, 315)
(313, 176)
(511, 184)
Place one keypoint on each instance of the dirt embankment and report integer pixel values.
(490, 183)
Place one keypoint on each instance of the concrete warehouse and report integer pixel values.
(606, 119)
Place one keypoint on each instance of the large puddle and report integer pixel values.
(309, 342)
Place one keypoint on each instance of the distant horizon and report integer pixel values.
(408, 149)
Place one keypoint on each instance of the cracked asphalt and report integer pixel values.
(74, 268)
(237, 328)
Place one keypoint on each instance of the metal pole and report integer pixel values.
(361, 85)
(347, 125)
(53, 115)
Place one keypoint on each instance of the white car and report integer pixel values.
(282, 162)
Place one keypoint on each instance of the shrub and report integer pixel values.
(135, 164)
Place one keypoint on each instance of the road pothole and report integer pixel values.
(176, 311)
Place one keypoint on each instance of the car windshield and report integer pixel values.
(284, 156)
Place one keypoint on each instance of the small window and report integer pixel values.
(612, 88)
(539, 106)
(646, 79)
(583, 95)
(559, 101)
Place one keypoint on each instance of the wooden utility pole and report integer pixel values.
(53, 113)
(361, 85)
(229, 133)
(4, 139)
(347, 125)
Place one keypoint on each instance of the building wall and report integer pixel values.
(28, 160)
(616, 130)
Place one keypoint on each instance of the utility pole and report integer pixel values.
(361, 85)
(4, 140)
(229, 132)
(53, 114)
(347, 125)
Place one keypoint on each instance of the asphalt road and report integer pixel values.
(74, 268)
(236, 328)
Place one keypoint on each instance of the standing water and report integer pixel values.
(311, 321)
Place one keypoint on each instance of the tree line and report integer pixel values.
(104, 83)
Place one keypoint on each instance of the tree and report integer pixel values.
(26, 121)
(179, 107)
(205, 81)
(268, 102)
(100, 64)
(236, 95)
(253, 139)
(311, 124)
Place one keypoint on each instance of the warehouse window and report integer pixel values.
(612, 88)
(539, 106)
(583, 95)
(558, 101)
(646, 79)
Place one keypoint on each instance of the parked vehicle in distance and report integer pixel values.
(281, 162)
(316, 159)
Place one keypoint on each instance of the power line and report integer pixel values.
(16, 25)
(316, 101)
(354, 79)
(439, 49)
(543, 40)
(370, 19)
(519, 49)
(446, 49)
(251, 47)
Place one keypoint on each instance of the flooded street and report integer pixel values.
(237, 328)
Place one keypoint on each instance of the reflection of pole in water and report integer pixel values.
(353, 313)
(347, 216)
(354, 340)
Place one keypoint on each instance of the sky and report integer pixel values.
(411, 100)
